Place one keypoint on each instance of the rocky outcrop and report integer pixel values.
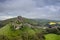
(20, 19)
(16, 26)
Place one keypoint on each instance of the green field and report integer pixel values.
(52, 37)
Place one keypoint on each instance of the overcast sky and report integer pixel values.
(43, 9)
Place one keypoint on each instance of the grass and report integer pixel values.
(52, 37)
(6, 30)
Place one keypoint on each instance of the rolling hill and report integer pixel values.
(21, 28)
(36, 22)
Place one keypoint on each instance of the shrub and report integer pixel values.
(2, 37)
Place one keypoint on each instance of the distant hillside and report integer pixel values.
(45, 21)
(36, 22)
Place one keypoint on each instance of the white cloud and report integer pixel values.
(5, 17)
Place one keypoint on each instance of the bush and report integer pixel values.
(2, 37)
(52, 30)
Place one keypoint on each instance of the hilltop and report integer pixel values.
(20, 28)
(19, 18)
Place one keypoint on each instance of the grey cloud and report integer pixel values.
(30, 9)
(42, 3)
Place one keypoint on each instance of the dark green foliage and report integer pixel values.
(58, 28)
(2, 37)
(52, 30)
(37, 36)
(25, 36)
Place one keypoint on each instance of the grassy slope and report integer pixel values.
(6, 30)
(52, 37)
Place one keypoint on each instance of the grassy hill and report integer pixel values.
(27, 30)
(25, 20)
(25, 33)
